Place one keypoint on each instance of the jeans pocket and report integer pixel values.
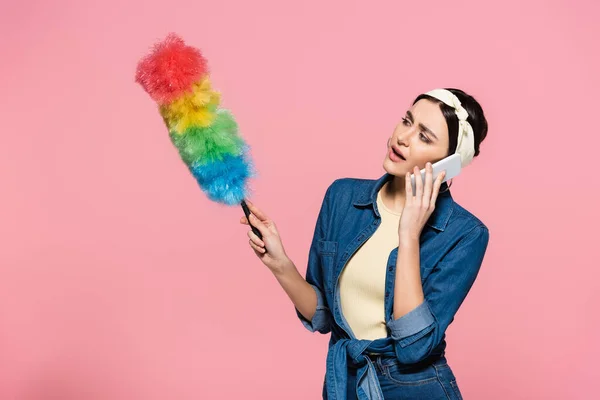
(413, 378)
(411, 384)
(448, 381)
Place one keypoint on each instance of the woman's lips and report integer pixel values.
(395, 157)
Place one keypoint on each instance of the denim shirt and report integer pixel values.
(452, 246)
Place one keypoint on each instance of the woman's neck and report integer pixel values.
(392, 193)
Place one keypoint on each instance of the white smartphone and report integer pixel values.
(450, 164)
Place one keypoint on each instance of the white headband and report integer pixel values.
(466, 141)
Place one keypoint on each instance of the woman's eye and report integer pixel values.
(421, 135)
(424, 138)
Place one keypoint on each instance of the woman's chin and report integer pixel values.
(393, 168)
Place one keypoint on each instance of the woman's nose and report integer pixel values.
(403, 139)
(406, 136)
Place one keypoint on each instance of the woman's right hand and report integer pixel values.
(275, 258)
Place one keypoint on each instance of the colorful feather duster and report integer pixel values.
(176, 76)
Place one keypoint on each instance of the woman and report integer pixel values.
(389, 268)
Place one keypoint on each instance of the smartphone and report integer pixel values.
(450, 164)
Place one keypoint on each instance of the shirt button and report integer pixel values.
(387, 293)
(390, 268)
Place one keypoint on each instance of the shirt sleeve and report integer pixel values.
(321, 320)
(418, 332)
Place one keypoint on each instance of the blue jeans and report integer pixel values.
(432, 382)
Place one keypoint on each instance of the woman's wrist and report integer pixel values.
(284, 268)
(407, 240)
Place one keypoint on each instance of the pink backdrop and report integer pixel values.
(120, 280)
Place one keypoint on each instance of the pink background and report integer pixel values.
(119, 279)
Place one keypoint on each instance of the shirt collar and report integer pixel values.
(438, 219)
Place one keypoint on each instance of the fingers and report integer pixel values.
(261, 215)
(428, 183)
(255, 242)
(258, 224)
(256, 219)
(418, 184)
(436, 188)
(255, 239)
(255, 222)
(244, 220)
(408, 188)
(257, 248)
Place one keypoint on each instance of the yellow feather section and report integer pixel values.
(195, 108)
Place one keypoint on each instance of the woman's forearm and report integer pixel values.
(408, 290)
(298, 290)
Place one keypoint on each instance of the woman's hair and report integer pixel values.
(476, 118)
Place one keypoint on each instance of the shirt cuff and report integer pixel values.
(320, 320)
(414, 322)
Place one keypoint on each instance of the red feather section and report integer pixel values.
(170, 69)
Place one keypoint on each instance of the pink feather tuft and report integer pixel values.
(170, 69)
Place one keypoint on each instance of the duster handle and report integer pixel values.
(247, 212)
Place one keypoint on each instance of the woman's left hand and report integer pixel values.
(419, 206)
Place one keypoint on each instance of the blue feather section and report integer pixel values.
(225, 181)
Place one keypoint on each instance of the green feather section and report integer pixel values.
(209, 144)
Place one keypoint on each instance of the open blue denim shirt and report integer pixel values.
(452, 247)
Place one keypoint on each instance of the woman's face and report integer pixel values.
(421, 136)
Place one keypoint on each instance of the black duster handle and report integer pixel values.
(247, 212)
